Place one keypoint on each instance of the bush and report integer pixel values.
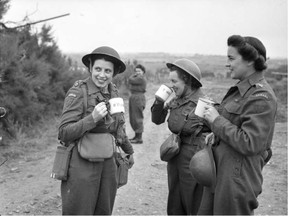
(35, 76)
(280, 89)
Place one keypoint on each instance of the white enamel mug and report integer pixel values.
(201, 105)
(116, 105)
(163, 92)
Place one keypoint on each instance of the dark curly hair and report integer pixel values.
(141, 67)
(251, 49)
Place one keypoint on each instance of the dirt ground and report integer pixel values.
(27, 189)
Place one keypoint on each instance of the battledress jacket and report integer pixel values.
(243, 131)
(137, 101)
(74, 123)
(185, 193)
(137, 84)
(180, 109)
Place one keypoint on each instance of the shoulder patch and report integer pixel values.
(261, 95)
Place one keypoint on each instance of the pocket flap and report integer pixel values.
(233, 107)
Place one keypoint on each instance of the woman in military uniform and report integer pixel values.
(243, 128)
(184, 192)
(137, 102)
(91, 186)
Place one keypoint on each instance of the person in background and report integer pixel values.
(137, 102)
(184, 192)
(91, 186)
(242, 127)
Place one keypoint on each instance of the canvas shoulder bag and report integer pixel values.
(122, 163)
(95, 146)
(171, 146)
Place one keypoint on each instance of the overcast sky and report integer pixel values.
(173, 26)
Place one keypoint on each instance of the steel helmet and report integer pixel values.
(107, 51)
(188, 66)
(202, 167)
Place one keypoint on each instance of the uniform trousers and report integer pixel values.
(185, 193)
(136, 107)
(91, 187)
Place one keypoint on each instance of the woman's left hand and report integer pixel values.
(210, 114)
(131, 161)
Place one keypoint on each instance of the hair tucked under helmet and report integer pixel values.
(188, 71)
(251, 49)
(107, 53)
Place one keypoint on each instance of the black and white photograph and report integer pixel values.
(143, 107)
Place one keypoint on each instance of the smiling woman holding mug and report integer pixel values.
(243, 128)
(91, 186)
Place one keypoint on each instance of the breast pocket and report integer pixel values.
(232, 111)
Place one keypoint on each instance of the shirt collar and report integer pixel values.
(193, 95)
(245, 84)
(92, 88)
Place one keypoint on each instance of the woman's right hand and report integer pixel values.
(210, 114)
(99, 112)
(209, 139)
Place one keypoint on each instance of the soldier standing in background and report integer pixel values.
(137, 101)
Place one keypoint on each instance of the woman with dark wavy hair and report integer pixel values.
(243, 128)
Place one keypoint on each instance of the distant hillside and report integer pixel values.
(157, 57)
(207, 63)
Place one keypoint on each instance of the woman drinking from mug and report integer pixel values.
(243, 128)
(91, 186)
(184, 192)
(137, 102)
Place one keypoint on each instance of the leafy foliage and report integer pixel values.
(34, 74)
(3, 7)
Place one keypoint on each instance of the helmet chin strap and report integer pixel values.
(90, 65)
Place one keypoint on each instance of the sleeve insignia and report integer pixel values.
(72, 95)
(261, 95)
(77, 83)
(69, 100)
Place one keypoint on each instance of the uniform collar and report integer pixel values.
(193, 95)
(92, 88)
(245, 84)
